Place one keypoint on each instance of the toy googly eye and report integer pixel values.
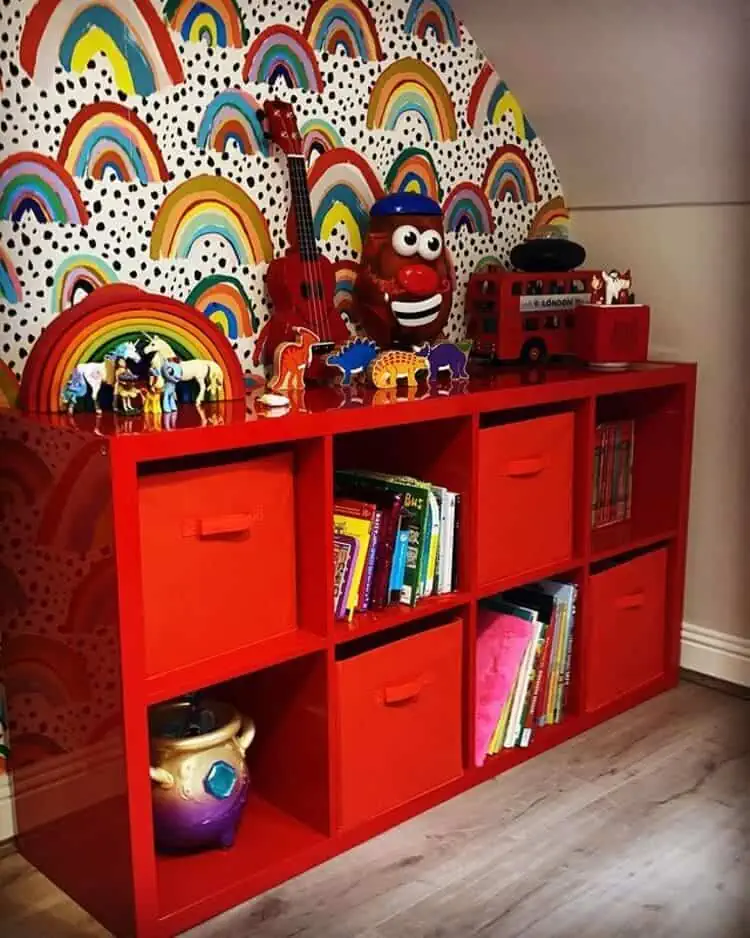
(430, 245)
(405, 240)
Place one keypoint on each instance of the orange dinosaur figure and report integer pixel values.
(291, 360)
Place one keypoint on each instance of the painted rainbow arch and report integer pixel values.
(282, 54)
(232, 119)
(215, 22)
(225, 301)
(343, 187)
(208, 206)
(10, 285)
(411, 86)
(343, 25)
(130, 33)
(346, 273)
(414, 170)
(467, 209)
(553, 214)
(108, 137)
(510, 176)
(490, 99)
(76, 278)
(111, 315)
(318, 137)
(9, 386)
(30, 182)
(432, 19)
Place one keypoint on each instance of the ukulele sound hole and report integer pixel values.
(312, 291)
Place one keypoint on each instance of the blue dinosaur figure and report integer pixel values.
(353, 358)
(172, 374)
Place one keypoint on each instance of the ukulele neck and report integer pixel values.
(306, 242)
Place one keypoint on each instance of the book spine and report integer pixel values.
(630, 435)
(569, 651)
(539, 680)
(597, 477)
(365, 589)
(456, 542)
(532, 689)
(396, 581)
(385, 555)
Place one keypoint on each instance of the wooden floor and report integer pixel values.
(639, 828)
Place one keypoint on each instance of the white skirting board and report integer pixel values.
(717, 654)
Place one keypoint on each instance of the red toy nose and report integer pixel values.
(418, 279)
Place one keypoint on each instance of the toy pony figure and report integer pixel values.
(404, 290)
(171, 372)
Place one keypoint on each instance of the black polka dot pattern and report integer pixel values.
(33, 117)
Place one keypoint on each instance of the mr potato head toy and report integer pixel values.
(404, 290)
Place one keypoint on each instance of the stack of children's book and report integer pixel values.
(524, 648)
(613, 473)
(395, 541)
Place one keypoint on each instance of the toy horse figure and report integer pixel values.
(171, 372)
(204, 371)
(291, 360)
(92, 375)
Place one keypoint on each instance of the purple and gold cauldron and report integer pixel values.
(201, 782)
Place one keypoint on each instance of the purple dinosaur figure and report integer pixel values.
(447, 356)
(353, 358)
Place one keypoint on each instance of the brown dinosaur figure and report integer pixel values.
(291, 359)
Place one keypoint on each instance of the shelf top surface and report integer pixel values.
(322, 410)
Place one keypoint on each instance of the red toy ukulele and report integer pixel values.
(300, 284)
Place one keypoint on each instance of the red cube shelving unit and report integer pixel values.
(227, 524)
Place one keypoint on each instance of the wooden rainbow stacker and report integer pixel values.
(139, 566)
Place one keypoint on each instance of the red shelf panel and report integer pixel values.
(623, 537)
(190, 887)
(232, 664)
(366, 623)
(548, 571)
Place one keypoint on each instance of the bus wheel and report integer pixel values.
(534, 352)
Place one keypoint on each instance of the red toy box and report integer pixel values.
(611, 334)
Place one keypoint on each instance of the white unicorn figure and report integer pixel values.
(207, 373)
(616, 285)
(92, 375)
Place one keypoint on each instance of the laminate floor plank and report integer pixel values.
(640, 827)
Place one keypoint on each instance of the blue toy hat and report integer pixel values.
(405, 203)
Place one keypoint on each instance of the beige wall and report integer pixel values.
(643, 106)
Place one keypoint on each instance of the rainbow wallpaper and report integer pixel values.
(132, 152)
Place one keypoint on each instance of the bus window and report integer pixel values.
(578, 286)
(517, 288)
(531, 324)
(558, 286)
(488, 286)
(552, 322)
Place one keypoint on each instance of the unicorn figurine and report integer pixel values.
(92, 375)
(204, 371)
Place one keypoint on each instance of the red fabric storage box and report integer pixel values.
(217, 558)
(612, 333)
(525, 496)
(400, 722)
(627, 646)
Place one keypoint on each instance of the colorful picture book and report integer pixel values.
(395, 540)
(613, 473)
(523, 661)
